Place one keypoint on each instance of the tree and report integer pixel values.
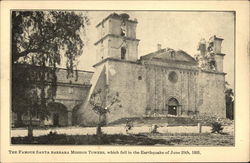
(40, 39)
(25, 95)
(229, 98)
(102, 102)
(229, 103)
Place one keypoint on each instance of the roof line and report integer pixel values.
(164, 50)
(221, 54)
(214, 72)
(115, 16)
(118, 60)
(60, 68)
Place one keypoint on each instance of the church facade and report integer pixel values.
(165, 82)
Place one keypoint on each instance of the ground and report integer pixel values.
(204, 139)
(111, 130)
(139, 135)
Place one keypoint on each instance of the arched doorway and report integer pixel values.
(58, 114)
(173, 106)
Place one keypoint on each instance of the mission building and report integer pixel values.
(165, 82)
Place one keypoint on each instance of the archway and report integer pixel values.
(58, 114)
(173, 106)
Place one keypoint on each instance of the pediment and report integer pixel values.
(170, 55)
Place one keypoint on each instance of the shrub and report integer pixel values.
(208, 120)
(217, 127)
(154, 129)
(129, 125)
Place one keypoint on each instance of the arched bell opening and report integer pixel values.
(123, 53)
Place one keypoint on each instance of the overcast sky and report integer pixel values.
(177, 30)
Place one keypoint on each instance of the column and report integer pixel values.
(69, 118)
(179, 111)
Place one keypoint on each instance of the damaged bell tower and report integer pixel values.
(210, 57)
(117, 38)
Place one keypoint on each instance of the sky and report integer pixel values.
(176, 30)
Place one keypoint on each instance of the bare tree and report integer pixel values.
(103, 101)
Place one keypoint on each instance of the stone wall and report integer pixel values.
(87, 117)
(124, 77)
(211, 94)
(102, 50)
(129, 80)
(83, 78)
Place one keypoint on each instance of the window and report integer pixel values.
(173, 77)
(123, 29)
(123, 52)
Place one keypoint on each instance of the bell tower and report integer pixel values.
(117, 38)
(215, 45)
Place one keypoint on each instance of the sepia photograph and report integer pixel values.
(122, 77)
(124, 81)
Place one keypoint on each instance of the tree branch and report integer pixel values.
(25, 53)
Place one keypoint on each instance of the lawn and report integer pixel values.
(204, 139)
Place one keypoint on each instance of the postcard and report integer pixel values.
(124, 81)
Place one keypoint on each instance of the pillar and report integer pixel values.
(179, 110)
(69, 118)
(165, 110)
